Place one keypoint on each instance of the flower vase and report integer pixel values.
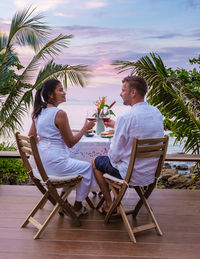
(99, 127)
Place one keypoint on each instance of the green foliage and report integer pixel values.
(190, 78)
(16, 90)
(8, 76)
(12, 170)
(176, 93)
(103, 109)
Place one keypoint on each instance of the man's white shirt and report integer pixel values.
(141, 121)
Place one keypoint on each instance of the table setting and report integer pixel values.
(88, 147)
(95, 141)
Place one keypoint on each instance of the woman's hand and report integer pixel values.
(110, 123)
(88, 125)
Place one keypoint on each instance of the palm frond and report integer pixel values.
(52, 48)
(172, 97)
(3, 42)
(27, 29)
(77, 75)
(16, 95)
(12, 115)
(122, 66)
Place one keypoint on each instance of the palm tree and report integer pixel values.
(15, 88)
(172, 96)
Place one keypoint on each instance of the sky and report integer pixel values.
(108, 30)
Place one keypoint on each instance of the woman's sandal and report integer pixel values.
(61, 211)
(82, 211)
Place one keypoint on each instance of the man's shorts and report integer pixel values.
(103, 164)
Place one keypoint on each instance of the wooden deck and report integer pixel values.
(177, 211)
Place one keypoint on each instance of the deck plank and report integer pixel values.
(177, 212)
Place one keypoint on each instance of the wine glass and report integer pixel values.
(105, 117)
(90, 116)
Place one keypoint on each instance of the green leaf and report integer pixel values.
(175, 93)
(28, 29)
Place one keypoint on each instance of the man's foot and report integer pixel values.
(104, 210)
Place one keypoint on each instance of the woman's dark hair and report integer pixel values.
(42, 96)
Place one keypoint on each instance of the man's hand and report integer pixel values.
(110, 123)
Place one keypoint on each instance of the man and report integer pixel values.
(141, 121)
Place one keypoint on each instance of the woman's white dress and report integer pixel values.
(55, 155)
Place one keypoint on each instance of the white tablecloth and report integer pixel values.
(88, 147)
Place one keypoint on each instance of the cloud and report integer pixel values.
(194, 33)
(93, 44)
(4, 26)
(99, 46)
(68, 15)
(94, 31)
(183, 51)
(6, 22)
(164, 36)
(193, 3)
(94, 4)
(40, 4)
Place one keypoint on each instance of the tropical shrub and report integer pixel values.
(12, 170)
(176, 93)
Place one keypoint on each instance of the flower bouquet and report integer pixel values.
(103, 109)
(103, 112)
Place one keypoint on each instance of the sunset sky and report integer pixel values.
(106, 30)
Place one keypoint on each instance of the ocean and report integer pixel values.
(77, 113)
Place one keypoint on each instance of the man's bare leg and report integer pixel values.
(103, 186)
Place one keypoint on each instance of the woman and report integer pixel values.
(51, 128)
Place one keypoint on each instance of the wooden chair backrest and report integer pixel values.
(27, 146)
(148, 148)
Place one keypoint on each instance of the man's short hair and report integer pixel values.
(138, 83)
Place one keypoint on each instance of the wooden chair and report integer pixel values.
(141, 148)
(47, 185)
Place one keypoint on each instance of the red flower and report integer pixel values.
(100, 104)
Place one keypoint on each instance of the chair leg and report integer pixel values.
(127, 224)
(62, 202)
(138, 206)
(100, 203)
(87, 198)
(42, 228)
(43, 190)
(37, 207)
(149, 210)
(118, 195)
(113, 206)
(90, 202)
(117, 203)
